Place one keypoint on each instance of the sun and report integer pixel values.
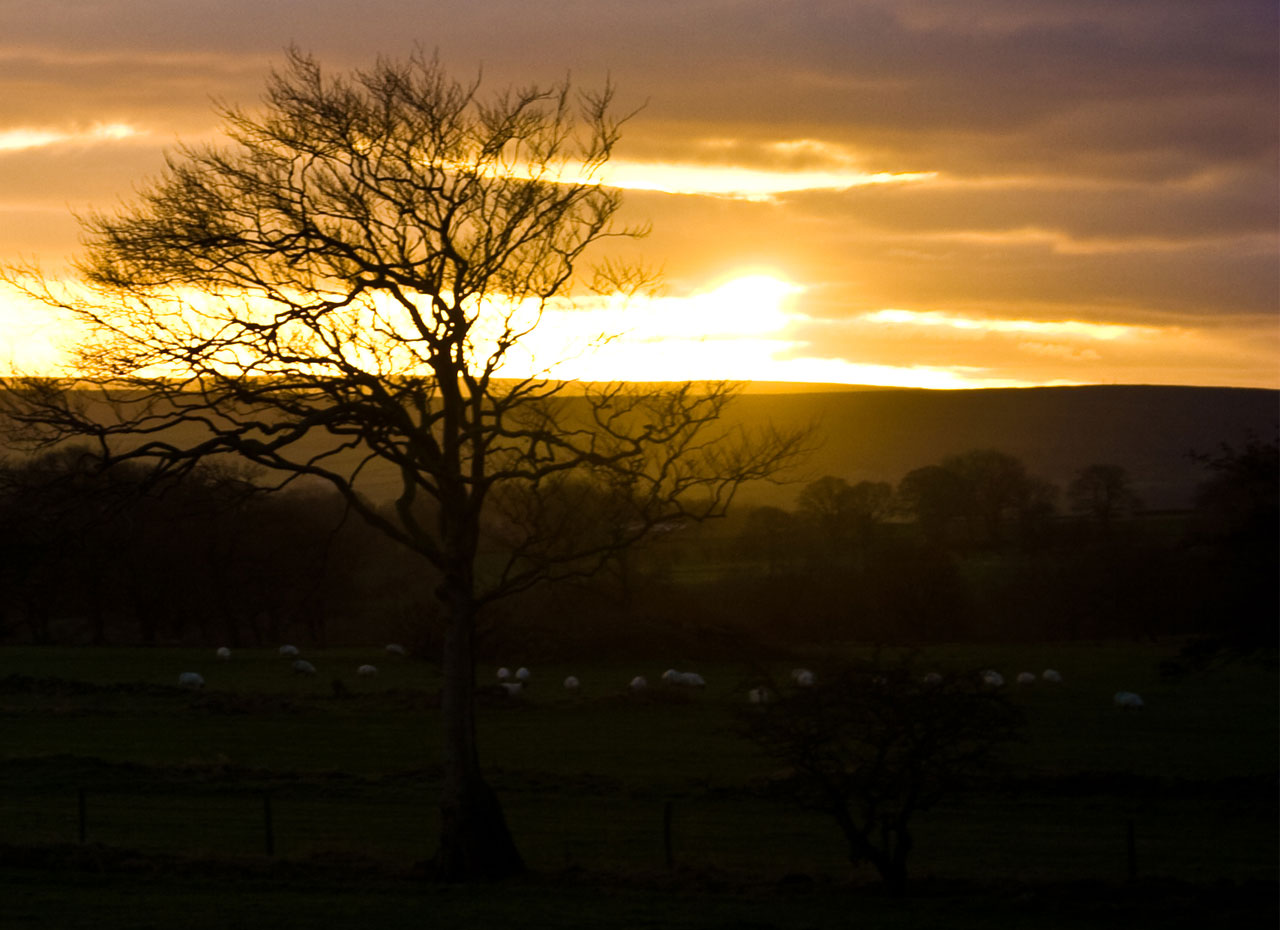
(749, 304)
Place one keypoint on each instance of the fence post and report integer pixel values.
(267, 825)
(666, 834)
(1131, 850)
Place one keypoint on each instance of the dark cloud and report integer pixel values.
(1221, 205)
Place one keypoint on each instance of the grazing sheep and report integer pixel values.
(513, 688)
(1051, 675)
(1128, 700)
(192, 680)
(504, 673)
(1026, 678)
(638, 683)
(760, 696)
(684, 679)
(223, 653)
(523, 674)
(289, 652)
(992, 679)
(367, 671)
(571, 683)
(303, 667)
(669, 675)
(396, 649)
(802, 677)
(932, 679)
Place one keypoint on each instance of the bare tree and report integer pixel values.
(339, 287)
(873, 742)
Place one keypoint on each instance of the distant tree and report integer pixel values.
(1240, 500)
(873, 743)
(996, 488)
(1035, 512)
(844, 515)
(825, 502)
(935, 496)
(869, 504)
(1103, 493)
(99, 541)
(347, 283)
(769, 533)
(1236, 533)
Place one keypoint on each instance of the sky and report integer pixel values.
(928, 193)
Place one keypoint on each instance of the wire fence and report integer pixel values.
(1094, 840)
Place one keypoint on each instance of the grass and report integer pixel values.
(181, 777)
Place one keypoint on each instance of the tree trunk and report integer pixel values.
(474, 840)
(889, 859)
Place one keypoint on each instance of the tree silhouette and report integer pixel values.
(936, 497)
(996, 486)
(875, 741)
(1102, 492)
(339, 288)
(844, 514)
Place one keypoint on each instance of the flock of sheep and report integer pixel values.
(300, 666)
(514, 683)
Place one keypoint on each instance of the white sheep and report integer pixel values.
(223, 653)
(684, 679)
(1026, 678)
(571, 683)
(289, 652)
(367, 671)
(396, 649)
(802, 677)
(933, 679)
(504, 673)
(523, 674)
(669, 675)
(192, 680)
(638, 683)
(760, 696)
(303, 667)
(513, 688)
(1128, 700)
(992, 679)
(1052, 676)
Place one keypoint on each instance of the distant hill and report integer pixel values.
(881, 435)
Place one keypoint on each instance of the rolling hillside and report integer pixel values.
(882, 434)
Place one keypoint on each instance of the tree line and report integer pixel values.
(976, 547)
(971, 547)
(111, 555)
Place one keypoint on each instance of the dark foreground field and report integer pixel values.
(176, 788)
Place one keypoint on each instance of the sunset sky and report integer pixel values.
(936, 193)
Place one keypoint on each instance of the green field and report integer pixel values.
(176, 784)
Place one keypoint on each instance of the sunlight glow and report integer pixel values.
(33, 337)
(1078, 328)
(725, 181)
(13, 140)
(742, 183)
(750, 327)
(660, 334)
(736, 330)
